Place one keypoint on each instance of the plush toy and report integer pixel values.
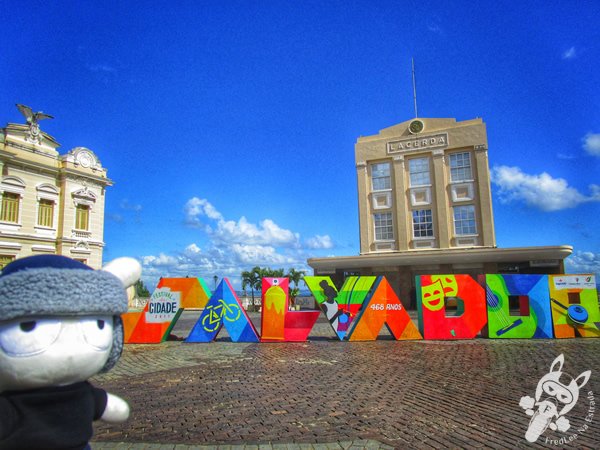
(59, 325)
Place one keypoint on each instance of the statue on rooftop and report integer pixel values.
(32, 120)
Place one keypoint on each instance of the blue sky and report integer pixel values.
(229, 126)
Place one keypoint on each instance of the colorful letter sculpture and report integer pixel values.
(512, 306)
(432, 292)
(274, 307)
(277, 323)
(194, 292)
(533, 320)
(340, 308)
(223, 309)
(191, 293)
(383, 307)
(155, 322)
(574, 301)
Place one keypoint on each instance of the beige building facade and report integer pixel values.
(49, 203)
(425, 207)
(425, 184)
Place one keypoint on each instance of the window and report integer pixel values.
(460, 167)
(381, 200)
(10, 207)
(464, 220)
(82, 217)
(45, 213)
(419, 172)
(422, 223)
(384, 227)
(48, 196)
(380, 177)
(462, 192)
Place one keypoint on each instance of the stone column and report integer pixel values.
(442, 221)
(484, 193)
(399, 202)
(363, 206)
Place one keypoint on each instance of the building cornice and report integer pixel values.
(443, 256)
(25, 236)
(14, 159)
(90, 242)
(72, 174)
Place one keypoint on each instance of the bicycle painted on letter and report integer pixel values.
(216, 313)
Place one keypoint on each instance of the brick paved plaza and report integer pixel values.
(330, 394)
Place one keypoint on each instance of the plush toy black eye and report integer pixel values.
(27, 337)
(97, 331)
(27, 326)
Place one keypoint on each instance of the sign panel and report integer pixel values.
(426, 142)
(562, 282)
(163, 306)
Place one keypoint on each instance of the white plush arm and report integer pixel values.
(117, 409)
(128, 270)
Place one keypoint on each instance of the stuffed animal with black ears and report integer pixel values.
(60, 324)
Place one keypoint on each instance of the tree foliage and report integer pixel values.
(253, 279)
(295, 277)
(141, 290)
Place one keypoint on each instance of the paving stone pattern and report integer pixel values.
(331, 394)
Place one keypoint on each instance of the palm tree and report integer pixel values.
(253, 279)
(248, 280)
(295, 277)
(267, 272)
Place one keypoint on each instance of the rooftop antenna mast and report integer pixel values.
(414, 87)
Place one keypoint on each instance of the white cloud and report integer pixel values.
(193, 250)
(199, 207)
(233, 246)
(158, 261)
(565, 156)
(569, 53)
(434, 28)
(260, 255)
(319, 242)
(266, 232)
(583, 262)
(103, 68)
(118, 218)
(125, 210)
(591, 143)
(126, 205)
(539, 191)
(433, 24)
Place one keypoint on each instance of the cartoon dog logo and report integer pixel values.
(556, 394)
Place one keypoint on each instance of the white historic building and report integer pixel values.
(50, 203)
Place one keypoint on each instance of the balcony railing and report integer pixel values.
(81, 234)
